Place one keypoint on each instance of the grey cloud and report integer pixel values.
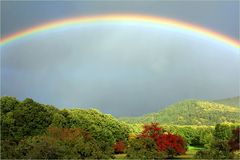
(120, 69)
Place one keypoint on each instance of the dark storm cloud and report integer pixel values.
(121, 69)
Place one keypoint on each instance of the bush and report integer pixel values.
(221, 147)
(203, 154)
(234, 142)
(24, 131)
(102, 127)
(143, 148)
(223, 131)
(193, 135)
(119, 147)
(39, 147)
(8, 149)
(62, 143)
(153, 142)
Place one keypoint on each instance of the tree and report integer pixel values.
(62, 143)
(152, 131)
(223, 145)
(119, 147)
(8, 104)
(171, 144)
(143, 148)
(234, 142)
(166, 142)
(31, 118)
(162, 143)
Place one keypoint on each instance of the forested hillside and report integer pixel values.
(30, 130)
(235, 101)
(191, 112)
(28, 125)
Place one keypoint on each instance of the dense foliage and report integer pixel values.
(30, 130)
(156, 143)
(22, 119)
(119, 147)
(143, 148)
(104, 128)
(191, 112)
(234, 142)
(223, 144)
(25, 124)
(62, 143)
(193, 135)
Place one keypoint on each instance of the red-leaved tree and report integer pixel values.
(166, 142)
(119, 147)
(171, 144)
(151, 131)
(234, 141)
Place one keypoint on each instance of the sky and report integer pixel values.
(122, 69)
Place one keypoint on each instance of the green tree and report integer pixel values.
(8, 104)
(31, 118)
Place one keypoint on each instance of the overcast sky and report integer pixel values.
(122, 69)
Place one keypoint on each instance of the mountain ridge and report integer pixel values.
(232, 101)
(190, 112)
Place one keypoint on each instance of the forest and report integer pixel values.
(188, 129)
(193, 112)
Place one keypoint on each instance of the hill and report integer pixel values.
(191, 112)
(235, 101)
(29, 118)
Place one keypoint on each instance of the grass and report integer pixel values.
(189, 154)
(120, 156)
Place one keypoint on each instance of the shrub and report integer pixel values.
(8, 149)
(143, 148)
(213, 154)
(223, 131)
(119, 147)
(221, 147)
(102, 127)
(193, 135)
(234, 142)
(203, 154)
(62, 143)
(39, 147)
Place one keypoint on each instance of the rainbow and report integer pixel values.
(166, 22)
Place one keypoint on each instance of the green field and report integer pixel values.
(189, 154)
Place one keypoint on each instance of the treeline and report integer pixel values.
(234, 101)
(28, 130)
(219, 142)
(224, 143)
(191, 112)
(193, 135)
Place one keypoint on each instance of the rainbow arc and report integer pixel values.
(122, 18)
